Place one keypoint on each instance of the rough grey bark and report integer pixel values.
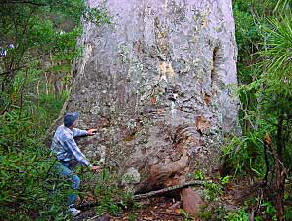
(157, 85)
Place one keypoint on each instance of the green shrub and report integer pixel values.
(25, 161)
(239, 215)
(110, 196)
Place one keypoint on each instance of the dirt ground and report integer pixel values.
(159, 208)
(169, 208)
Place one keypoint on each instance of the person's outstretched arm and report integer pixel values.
(78, 155)
(74, 149)
(77, 132)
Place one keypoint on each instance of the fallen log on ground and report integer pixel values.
(168, 189)
(151, 193)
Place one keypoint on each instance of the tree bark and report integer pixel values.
(156, 83)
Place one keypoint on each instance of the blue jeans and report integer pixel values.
(65, 171)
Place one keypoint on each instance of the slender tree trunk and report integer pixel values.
(280, 174)
(47, 90)
(279, 137)
(279, 189)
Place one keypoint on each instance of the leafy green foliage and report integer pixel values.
(225, 180)
(43, 33)
(109, 196)
(282, 6)
(266, 91)
(38, 46)
(245, 154)
(264, 38)
(219, 212)
(212, 190)
(239, 215)
(198, 175)
(186, 216)
(25, 163)
(270, 209)
(277, 79)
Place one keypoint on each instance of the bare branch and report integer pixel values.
(168, 189)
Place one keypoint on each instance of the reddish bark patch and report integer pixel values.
(191, 201)
(202, 123)
(207, 99)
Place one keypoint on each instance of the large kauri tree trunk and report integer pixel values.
(157, 83)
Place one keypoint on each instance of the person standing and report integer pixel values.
(69, 155)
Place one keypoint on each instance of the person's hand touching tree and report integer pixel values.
(96, 169)
(91, 132)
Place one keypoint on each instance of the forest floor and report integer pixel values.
(157, 208)
(167, 208)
